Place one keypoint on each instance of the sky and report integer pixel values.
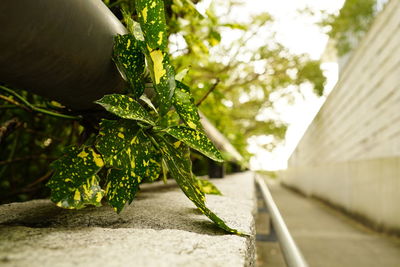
(300, 34)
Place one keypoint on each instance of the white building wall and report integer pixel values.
(350, 154)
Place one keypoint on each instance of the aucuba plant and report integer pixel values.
(147, 137)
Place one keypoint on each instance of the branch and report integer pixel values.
(12, 101)
(212, 88)
(40, 179)
(29, 188)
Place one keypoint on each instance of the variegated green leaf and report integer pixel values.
(196, 140)
(151, 16)
(132, 26)
(171, 118)
(179, 166)
(177, 158)
(131, 61)
(74, 183)
(181, 75)
(121, 188)
(148, 102)
(126, 148)
(152, 23)
(185, 106)
(207, 187)
(183, 150)
(163, 76)
(187, 7)
(125, 107)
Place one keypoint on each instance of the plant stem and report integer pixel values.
(154, 142)
(34, 108)
(12, 101)
(116, 3)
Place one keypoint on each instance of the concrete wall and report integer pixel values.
(350, 154)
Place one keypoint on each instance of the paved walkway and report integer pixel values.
(326, 237)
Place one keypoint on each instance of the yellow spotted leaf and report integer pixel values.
(130, 154)
(151, 17)
(130, 60)
(125, 107)
(185, 106)
(196, 140)
(207, 187)
(75, 183)
(163, 75)
(180, 167)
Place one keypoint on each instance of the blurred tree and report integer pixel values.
(29, 141)
(350, 24)
(236, 82)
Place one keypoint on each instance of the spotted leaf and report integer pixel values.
(179, 165)
(187, 7)
(121, 188)
(196, 140)
(126, 148)
(208, 188)
(163, 76)
(177, 158)
(130, 60)
(185, 106)
(125, 107)
(183, 150)
(151, 16)
(75, 183)
(171, 118)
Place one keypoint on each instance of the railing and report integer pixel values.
(290, 251)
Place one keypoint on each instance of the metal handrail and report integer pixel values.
(291, 252)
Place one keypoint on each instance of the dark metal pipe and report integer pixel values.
(60, 49)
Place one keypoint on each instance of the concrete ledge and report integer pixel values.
(161, 228)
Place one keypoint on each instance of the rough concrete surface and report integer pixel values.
(161, 228)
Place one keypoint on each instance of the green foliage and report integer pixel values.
(155, 117)
(134, 147)
(353, 21)
(29, 141)
(163, 76)
(184, 104)
(196, 140)
(125, 107)
(208, 188)
(130, 60)
(75, 183)
(130, 156)
(151, 17)
(234, 84)
(181, 169)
